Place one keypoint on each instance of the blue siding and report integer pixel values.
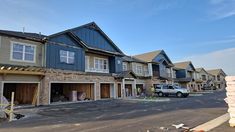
(180, 74)
(190, 68)
(64, 39)
(94, 39)
(53, 58)
(161, 57)
(115, 64)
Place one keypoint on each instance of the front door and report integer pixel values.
(128, 90)
(119, 91)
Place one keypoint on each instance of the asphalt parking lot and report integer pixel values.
(121, 115)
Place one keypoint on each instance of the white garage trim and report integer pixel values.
(49, 90)
(29, 82)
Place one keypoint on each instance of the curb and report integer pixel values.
(212, 123)
(150, 100)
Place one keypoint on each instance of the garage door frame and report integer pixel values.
(20, 82)
(49, 99)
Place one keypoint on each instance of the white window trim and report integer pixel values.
(137, 69)
(124, 65)
(24, 44)
(87, 61)
(67, 57)
(101, 70)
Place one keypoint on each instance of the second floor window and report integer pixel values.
(124, 67)
(139, 69)
(101, 64)
(67, 57)
(23, 52)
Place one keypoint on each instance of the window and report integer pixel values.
(170, 87)
(67, 57)
(139, 69)
(23, 52)
(124, 67)
(101, 64)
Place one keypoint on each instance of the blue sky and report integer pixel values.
(200, 30)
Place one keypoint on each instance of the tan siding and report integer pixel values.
(26, 78)
(92, 57)
(5, 52)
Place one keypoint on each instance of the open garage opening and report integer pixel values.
(25, 93)
(71, 92)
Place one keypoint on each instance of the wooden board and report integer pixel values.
(119, 90)
(105, 90)
(87, 88)
(24, 92)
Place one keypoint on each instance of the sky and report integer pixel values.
(202, 31)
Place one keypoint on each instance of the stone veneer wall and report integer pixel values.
(71, 77)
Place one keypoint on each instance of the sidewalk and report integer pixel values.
(223, 128)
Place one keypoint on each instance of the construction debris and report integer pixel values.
(230, 100)
(178, 126)
(164, 128)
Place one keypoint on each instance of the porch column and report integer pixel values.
(123, 88)
(1, 92)
(134, 92)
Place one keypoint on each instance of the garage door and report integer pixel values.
(119, 90)
(105, 90)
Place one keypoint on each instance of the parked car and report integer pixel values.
(166, 90)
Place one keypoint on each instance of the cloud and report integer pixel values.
(221, 9)
(224, 59)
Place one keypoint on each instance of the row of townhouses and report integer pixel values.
(46, 69)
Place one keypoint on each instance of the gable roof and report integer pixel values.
(24, 35)
(216, 72)
(91, 24)
(200, 69)
(149, 56)
(183, 65)
(132, 59)
(124, 74)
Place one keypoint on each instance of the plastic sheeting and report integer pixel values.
(3, 106)
(230, 100)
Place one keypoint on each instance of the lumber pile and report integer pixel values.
(230, 100)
